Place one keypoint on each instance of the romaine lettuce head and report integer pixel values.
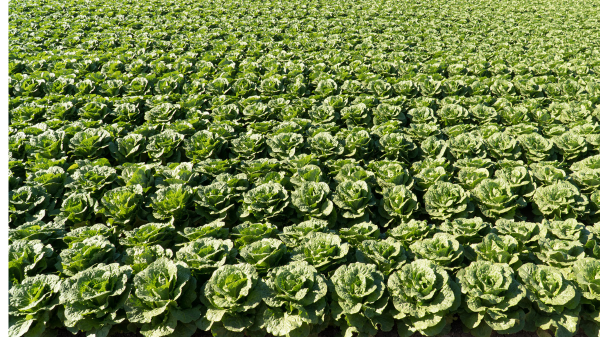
(492, 296)
(325, 147)
(324, 251)
(498, 249)
(91, 179)
(215, 229)
(37, 230)
(295, 234)
(214, 202)
(122, 205)
(560, 253)
(307, 173)
(247, 146)
(444, 201)
(264, 254)
(466, 230)
(150, 234)
(296, 302)
(165, 146)
(31, 305)
(139, 257)
(411, 231)
(163, 301)
(52, 180)
(28, 203)
(205, 255)
(312, 200)
(548, 288)
(359, 299)
(442, 249)
(90, 143)
(248, 232)
(518, 177)
(285, 145)
(86, 254)
(27, 258)
(49, 144)
(353, 172)
(390, 173)
(359, 232)
(553, 300)
(264, 202)
(569, 229)
(171, 202)
(353, 198)
(585, 275)
(388, 255)
(423, 295)
(495, 199)
(93, 299)
(398, 203)
(203, 145)
(526, 233)
(129, 148)
(561, 200)
(231, 296)
(502, 145)
(397, 146)
(81, 233)
(78, 209)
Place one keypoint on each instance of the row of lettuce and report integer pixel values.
(294, 80)
(343, 191)
(565, 129)
(255, 279)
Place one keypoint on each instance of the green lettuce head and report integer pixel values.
(27, 258)
(295, 302)
(93, 299)
(491, 299)
(359, 300)
(425, 298)
(32, 304)
(163, 301)
(444, 201)
(553, 300)
(232, 295)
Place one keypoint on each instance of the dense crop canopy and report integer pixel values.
(303, 168)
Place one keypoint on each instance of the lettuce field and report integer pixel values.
(266, 168)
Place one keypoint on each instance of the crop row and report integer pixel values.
(266, 190)
(256, 279)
